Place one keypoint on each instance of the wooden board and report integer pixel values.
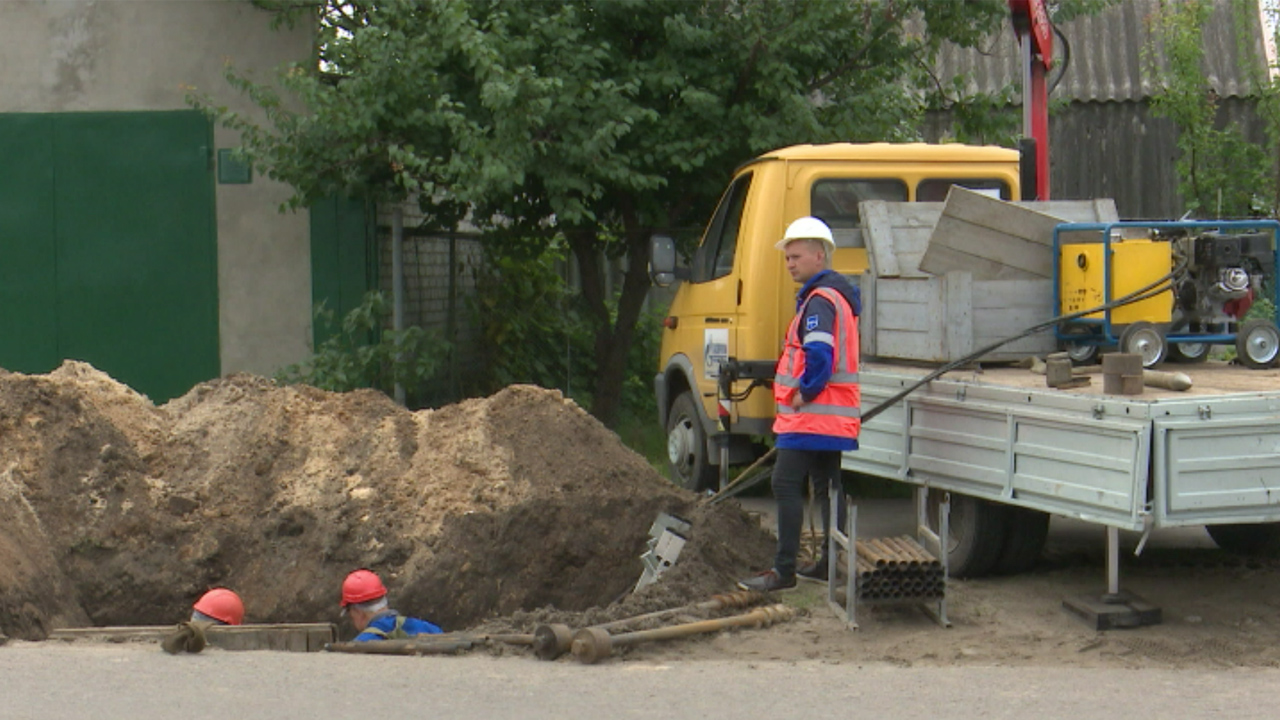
(289, 637)
(940, 319)
(998, 240)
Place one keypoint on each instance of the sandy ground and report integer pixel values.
(1218, 611)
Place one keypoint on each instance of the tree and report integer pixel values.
(1220, 173)
(596, 121)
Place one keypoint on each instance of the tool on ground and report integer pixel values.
(667, 537)
(1151, 378)
(186, 637)
(553, 640)
(591, 645)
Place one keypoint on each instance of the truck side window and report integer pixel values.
(935, 189)
(835, 200)
(714, 258)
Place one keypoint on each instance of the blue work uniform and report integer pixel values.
(391, 625)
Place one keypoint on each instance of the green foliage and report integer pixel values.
(531, 323)
(597, 122)
(1221, 174)
(538, 332)
(363, 353)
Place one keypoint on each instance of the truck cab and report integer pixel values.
(737, 297)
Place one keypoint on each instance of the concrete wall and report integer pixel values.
(118, 55)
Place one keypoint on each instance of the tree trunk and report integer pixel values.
(613, 340)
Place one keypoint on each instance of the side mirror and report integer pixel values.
(662, 260)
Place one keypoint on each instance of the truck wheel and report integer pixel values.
(978, 531)
(687, 446)
(1258, 344)
(1262, 539)
(1028, 530)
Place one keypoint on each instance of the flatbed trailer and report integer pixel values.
(1205, 456)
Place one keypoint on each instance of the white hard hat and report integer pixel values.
(808, 228)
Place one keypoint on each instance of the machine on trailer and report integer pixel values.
(1196, 281)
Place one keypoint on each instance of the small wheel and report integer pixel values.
(1146, 340)
(1258, 344)
(1081, 353)
(1188, 352)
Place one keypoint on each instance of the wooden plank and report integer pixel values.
(957, 309)
(878, 235)
(293, 637)
(987, 253)
(911, 345)
(978, 233)
(867, 321)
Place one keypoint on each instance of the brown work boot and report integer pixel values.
(767, 581)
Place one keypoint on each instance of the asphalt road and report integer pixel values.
(139, 682)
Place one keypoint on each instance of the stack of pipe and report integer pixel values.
(897, 568)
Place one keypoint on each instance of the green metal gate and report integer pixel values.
(108, 246)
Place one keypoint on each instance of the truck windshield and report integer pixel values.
(714, 258)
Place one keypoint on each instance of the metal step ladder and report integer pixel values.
(887, 570)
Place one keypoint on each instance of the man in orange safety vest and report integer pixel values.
(817, 395)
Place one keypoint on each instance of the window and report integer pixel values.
(714, 258)
(836, 200)
(936, 189)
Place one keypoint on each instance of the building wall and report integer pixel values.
(131, 55)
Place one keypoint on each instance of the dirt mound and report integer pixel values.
(114, 511)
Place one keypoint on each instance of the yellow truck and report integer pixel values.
(1007, 450)
(738, 298)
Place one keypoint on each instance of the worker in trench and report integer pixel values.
(218, 606)
(364, 600)
(817, 395)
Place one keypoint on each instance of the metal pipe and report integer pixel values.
(553, 640)
(1113, 561)
(593, 644)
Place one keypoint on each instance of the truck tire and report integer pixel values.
(1024, 542)
(978, 530)
(687, 446)
(1258, 539)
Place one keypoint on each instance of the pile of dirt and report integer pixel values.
(116, 512)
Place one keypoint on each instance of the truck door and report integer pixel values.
(713, 291)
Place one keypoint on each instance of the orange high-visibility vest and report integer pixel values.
(836, 410)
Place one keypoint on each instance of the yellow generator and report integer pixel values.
(1134, 264)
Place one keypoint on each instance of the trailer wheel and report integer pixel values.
(1080, 352)
(1146, 340)
(1258, 344)
(1188, 352)
(687, 446)
(978, 530)
(1262, 539)
(1028, 530)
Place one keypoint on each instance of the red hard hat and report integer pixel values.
(362, 586)
(222, 604)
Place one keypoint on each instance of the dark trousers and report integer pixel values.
(790, 475)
